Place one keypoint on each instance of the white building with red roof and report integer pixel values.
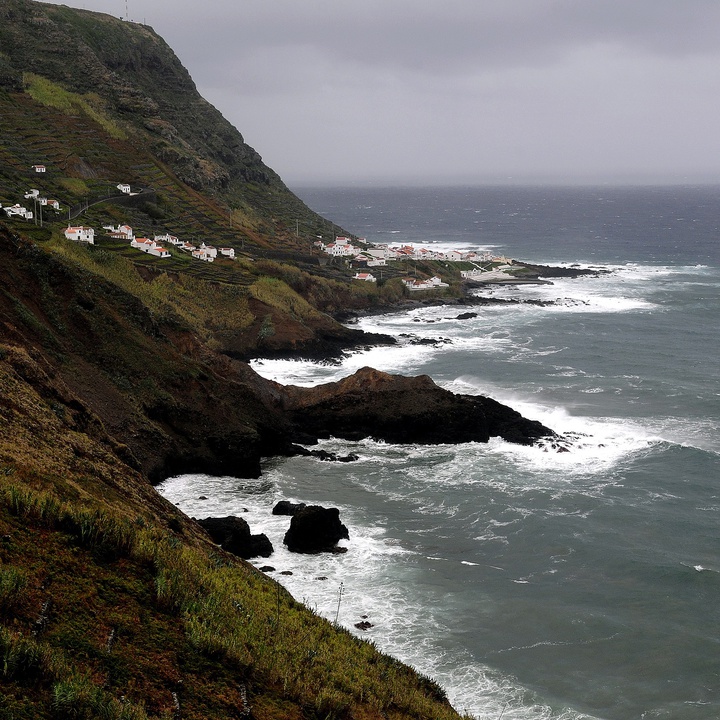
(202, 254)
(150, 247)
(79, 233)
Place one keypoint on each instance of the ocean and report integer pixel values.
(532, 584)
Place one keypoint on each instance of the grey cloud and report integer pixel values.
(463, 87)
(454, 35)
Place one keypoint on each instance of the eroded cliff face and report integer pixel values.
(166, 403)
(151, 386)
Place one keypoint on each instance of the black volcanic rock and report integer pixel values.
(233, 535)
(315, 529)
(285, 507)
(401, 409)
(260, 546)
(553, 271)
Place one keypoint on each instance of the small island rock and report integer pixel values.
(315, 529)
(285, 507)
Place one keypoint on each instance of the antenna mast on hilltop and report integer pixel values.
(126, 10)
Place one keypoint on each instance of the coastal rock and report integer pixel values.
(402, 409)
(323, 454)
(285, 507)
(552, 271)
(333, 457)
(233, 535)
(315, 529)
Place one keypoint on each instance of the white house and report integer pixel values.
(39, 168)
(228, 252)
(150, 247)
(124, 188)
(370, 260)
(471, 274)
(124, 232)
(339, 249)
(406, 252)
(203, 254)
(413, 284)
(32, 194)
(209, 250)
(377, 262)
(18, 211)
(187, 247)
(431, 284)
(54, 204)
(379, 251)
(367, 277)
(80, 234)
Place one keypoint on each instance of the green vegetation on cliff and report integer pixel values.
(112, 603)
(100, 102)
(117, 370)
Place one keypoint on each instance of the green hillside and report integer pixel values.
(118, 369)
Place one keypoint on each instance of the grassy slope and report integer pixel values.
(106, 590)
(113, 604)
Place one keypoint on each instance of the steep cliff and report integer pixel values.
(112, 603)
(117, 371)
(131, 77)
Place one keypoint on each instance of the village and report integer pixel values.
(83, 234)
(483, 266)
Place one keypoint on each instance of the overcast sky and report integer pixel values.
(431, 91)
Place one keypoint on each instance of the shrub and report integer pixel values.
(77, 697)
(12, 584)
(26, 659)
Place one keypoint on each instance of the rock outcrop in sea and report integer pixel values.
(398, 409)
(315, 529)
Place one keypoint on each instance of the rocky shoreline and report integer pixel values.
(533, 275)
(400, 409)
(385, 407)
